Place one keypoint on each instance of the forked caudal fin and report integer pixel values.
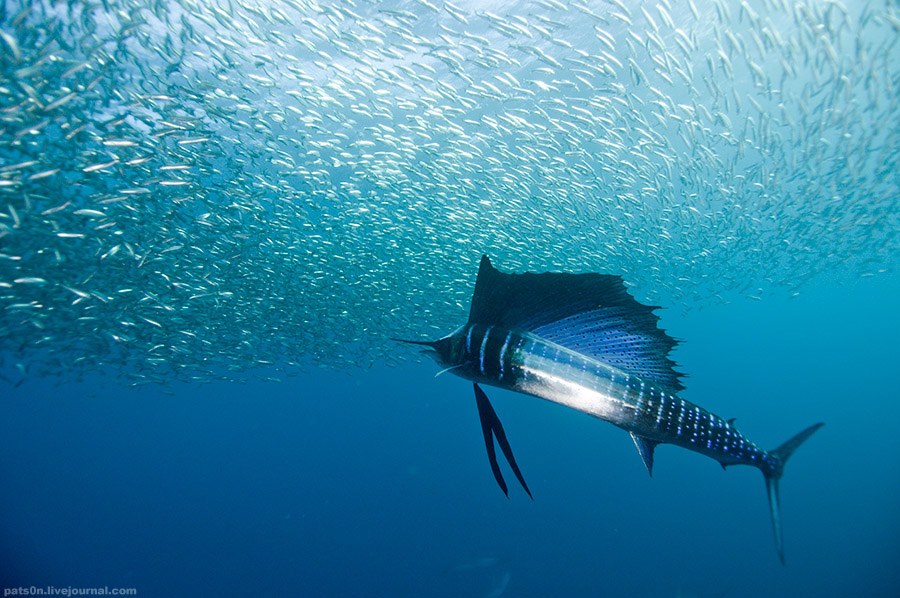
(779, 457)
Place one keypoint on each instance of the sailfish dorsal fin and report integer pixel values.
(593, 314)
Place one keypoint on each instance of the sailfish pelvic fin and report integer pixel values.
(491, 428)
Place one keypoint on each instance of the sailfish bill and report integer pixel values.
(581, 340)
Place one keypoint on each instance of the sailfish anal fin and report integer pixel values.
(645, 450)
(491, 428)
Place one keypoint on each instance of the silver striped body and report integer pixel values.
(524, 362)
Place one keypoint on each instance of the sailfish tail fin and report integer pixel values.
(777, 458)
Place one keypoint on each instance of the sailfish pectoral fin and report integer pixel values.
(492, 428)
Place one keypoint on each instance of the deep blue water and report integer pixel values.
(374, 482)
(198, 190)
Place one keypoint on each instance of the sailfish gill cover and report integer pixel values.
(202, 190)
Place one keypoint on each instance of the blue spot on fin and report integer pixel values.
(645, 450)
(592, 314)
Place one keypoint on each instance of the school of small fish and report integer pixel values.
(209, 189)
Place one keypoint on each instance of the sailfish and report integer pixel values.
(583, 341)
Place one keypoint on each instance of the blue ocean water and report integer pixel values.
(373, 482)
(214, 216)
